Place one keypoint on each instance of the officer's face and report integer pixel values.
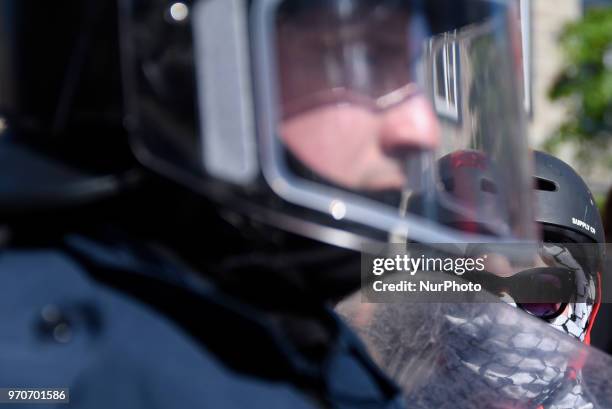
(351, 108)
(360, 149)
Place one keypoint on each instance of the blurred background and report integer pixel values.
(567, 48)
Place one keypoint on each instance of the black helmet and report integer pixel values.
(564, 204)
(563, 199)
(62, 141)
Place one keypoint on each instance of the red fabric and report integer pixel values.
(587, 337)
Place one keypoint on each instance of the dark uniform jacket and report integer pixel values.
(127, 328)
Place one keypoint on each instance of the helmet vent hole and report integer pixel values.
(545, 185)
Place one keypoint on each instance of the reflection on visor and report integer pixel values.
(364, 50)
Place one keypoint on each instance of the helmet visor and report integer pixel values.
(397, 113)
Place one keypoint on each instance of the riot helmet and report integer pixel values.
(324, 117)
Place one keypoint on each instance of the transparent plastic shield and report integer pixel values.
(399, 115)
(484, 355)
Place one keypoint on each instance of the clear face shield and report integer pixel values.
(403, 116)
(475, 355)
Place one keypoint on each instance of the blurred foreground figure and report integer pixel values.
(173, 239)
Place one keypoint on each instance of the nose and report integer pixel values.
(411, 124)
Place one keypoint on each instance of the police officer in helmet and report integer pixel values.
(271, 139)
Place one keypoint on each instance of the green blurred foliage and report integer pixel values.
(600, 201)
(585, 84)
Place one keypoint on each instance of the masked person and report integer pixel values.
(573, 246)
(569, 276)
(286, 134)
(505, 363)
(573, 229)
